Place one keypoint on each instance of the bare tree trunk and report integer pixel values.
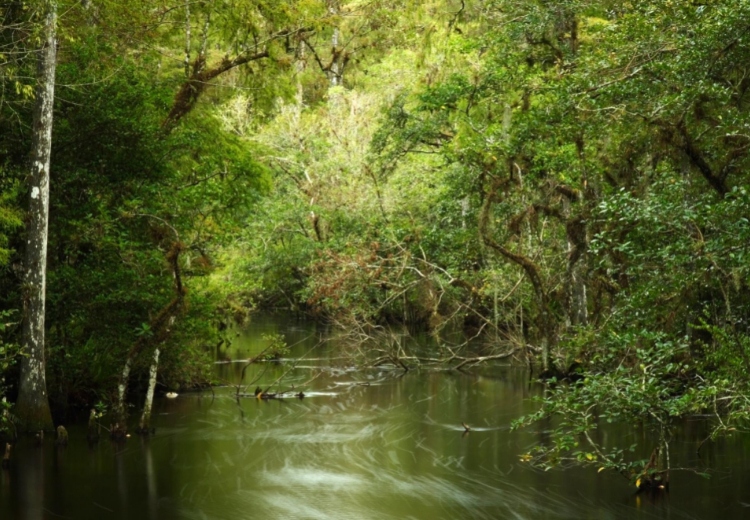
(119, 427)
(335, 72)
(32, 406)
(161, 327)
(576, 273)
(146, 416)
(299, 67)
(335, 65)
(187, 39)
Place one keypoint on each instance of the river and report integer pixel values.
(362, 444)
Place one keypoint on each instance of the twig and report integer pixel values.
(294, 365)
(481, 359)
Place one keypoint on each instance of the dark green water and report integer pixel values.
(377, 444)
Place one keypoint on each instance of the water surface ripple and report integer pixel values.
(362, 445)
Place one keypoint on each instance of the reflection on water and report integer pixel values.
(375, 444)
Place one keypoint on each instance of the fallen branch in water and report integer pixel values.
(260, 394)
(294, 365)
(250, 362)
(299, 394)
(463, 360)
(261, 357)
(482, 359)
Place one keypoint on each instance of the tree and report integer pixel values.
(32, 406)
(598, 150)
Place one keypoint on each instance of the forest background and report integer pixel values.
(564, 181)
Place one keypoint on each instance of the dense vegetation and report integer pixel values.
(566, 181)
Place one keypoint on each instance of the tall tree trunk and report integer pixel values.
(145, 426)
(32, 407)
(187, 38)
(576, 272)
(335, 73)
(118, 428)
(335, 63)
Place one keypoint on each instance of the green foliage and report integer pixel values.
(124, 191)
(8, 354)
(277, 346)
(569, 175)
(599, 151)
(10, 218)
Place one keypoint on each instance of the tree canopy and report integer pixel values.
(566, 182)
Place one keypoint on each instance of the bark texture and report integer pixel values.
(335, 72)
(32, 407)
(145, 426)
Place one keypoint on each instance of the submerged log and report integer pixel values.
(274, 395)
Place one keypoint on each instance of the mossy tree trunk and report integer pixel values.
(32, 407)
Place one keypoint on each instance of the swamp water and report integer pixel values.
(375, 444)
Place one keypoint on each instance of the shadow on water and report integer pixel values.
(361, 444)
